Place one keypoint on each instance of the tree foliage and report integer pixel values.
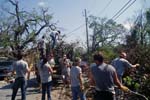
(19, 29)
(138, 46)
(105, 38)
(106, 32)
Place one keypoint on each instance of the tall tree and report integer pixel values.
(140, 32)
(106, 32)
(138, 47)
(19, 28)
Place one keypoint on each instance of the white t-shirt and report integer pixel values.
(21, 68)
(45, 75)
(74, 74)
(53, 33)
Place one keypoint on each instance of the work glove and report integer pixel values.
(137, 65)
(125, 89)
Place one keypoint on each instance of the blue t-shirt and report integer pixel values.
(120, 64)
(104, 77)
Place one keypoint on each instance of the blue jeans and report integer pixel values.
(19, 83)
(76, 91)
(54, 41)
(46, 87)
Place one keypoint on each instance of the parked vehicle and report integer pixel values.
(5, 67)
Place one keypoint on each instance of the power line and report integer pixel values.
(84, 24)
(75, 29)
(107, 5)
(125, 10)
(117, 15)
(121, 9)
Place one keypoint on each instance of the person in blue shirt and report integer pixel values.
(121, 64)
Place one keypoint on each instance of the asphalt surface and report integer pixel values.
(33, 91)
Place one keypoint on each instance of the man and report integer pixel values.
(42, 47)
(53, 36)
(121, 64)
(65, 69)
(21, 69)
(104, 77)
(76, 80)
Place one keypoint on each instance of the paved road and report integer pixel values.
(33, 92)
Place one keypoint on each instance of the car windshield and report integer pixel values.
(5, 63)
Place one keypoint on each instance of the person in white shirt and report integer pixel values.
(21, 69)
(76, 80)
(53, 36)
(46, 71)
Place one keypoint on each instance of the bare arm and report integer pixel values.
(117, 82)
(28, 72)
(136, 65)
(128, 64)
(81, 80)
(50, 69)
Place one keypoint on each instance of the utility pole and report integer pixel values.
(87, 35)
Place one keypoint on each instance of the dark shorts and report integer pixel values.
(104, 95)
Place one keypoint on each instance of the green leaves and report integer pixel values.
(128, 81)
(106, 32)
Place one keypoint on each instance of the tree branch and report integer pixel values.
(13, 3)
(23, 28)
(42, 27)
(31, 38)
